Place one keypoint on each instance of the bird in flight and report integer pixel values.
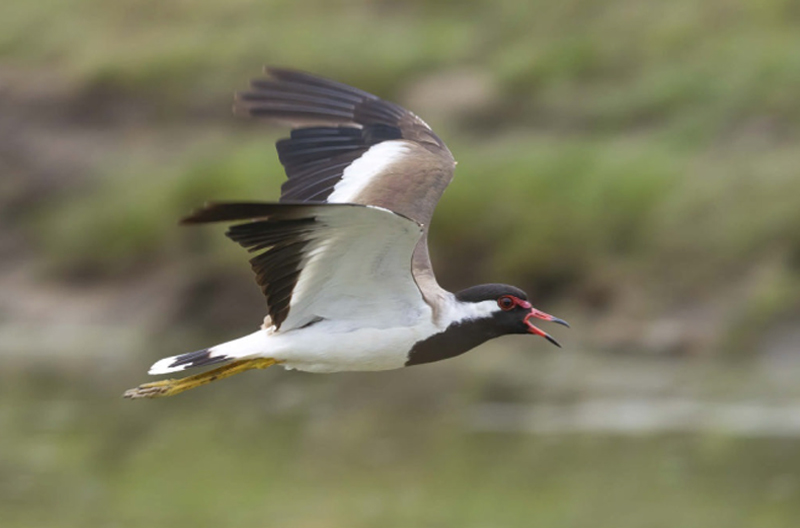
(342, 258)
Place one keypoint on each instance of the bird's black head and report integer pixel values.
(508, 308)
(481, 313)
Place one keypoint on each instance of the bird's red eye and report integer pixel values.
(506, 302)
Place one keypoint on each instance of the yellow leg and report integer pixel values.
(171, 387)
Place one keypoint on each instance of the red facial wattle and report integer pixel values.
(510, 302)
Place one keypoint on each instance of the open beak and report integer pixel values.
(546, 317)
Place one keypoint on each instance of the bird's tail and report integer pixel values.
(245, 347)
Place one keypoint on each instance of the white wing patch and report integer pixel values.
(359, 270)
(364, 170)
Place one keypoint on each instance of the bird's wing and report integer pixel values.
(327, 261)
(349, 146)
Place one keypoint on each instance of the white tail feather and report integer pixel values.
(247, 346)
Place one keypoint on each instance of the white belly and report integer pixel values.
(327, 347)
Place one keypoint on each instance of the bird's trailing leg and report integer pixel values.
(171, 387)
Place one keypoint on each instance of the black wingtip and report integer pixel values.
(192, 218)
(228, 211)
(201, 215)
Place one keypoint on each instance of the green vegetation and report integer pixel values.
(629, 140)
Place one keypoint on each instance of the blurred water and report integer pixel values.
(392, 449)
(636, 417)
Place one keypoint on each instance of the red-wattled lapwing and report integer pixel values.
(342, 258)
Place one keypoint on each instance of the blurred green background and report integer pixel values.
(633, 165)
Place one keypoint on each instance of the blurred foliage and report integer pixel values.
(698, 67)
(645, 142)
(132, 217)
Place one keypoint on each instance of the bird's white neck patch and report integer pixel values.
(364, 170)
(461, 311)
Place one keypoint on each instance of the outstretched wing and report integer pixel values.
(349, 146)
(326, 261)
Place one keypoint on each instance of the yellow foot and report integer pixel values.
(152, 390)
(170, 387)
